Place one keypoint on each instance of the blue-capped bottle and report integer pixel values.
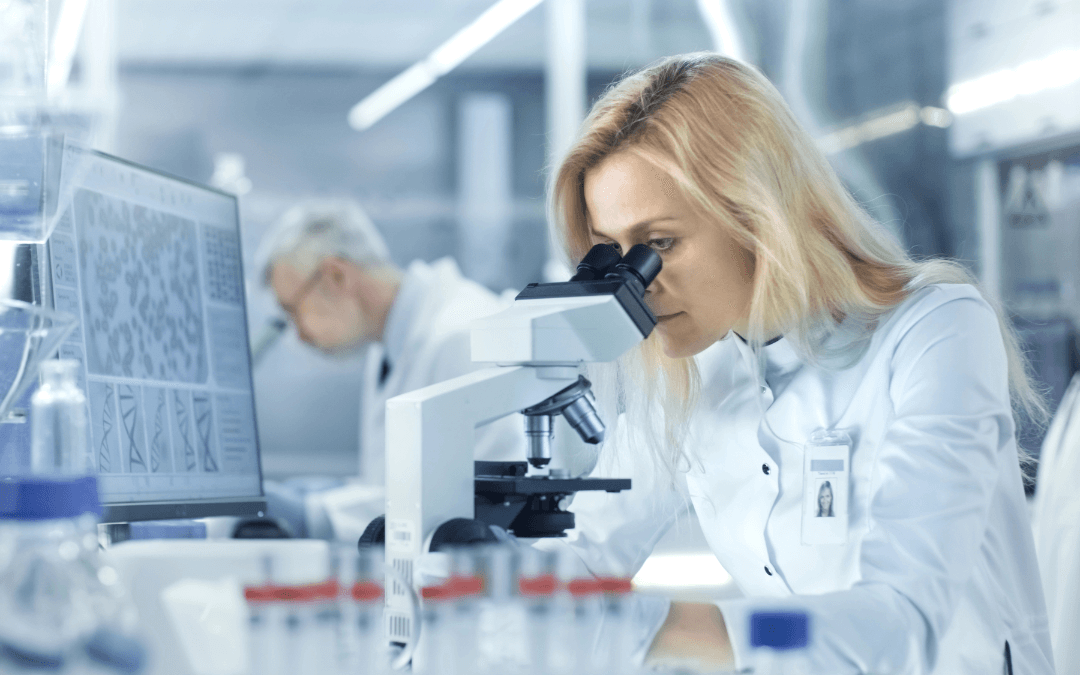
(60, 609)
(780, 641)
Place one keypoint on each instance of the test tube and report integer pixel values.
(577, 616)
(437, 647)
(537, 586)
(318, 608)
(615, 653)
(362, 646)
(502, 644)
(265, 624)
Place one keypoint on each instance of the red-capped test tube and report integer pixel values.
(585, 612)
(293, 628)
(437, 647)
(537, 588)
(362, 647)
(614, 653)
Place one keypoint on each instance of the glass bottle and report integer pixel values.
(58, 440)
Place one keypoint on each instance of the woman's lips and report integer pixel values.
(667, 317)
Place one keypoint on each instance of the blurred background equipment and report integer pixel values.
(1014, 96)
(459, 168)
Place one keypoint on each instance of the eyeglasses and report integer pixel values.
(293, 306)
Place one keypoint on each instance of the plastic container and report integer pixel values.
(780, 640)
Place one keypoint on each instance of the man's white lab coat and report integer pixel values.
(938, 571)
(1056, 519)
(426, 341)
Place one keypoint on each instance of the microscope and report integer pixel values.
(436, 494)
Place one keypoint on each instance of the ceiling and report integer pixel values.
(371, 34)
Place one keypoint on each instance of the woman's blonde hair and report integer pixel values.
(725, 135)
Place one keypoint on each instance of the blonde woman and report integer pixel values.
(797, 342)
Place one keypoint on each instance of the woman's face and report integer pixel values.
(704, 287)
(825, 499)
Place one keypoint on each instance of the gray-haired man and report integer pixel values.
(331, 272)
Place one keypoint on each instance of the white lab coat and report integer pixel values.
(939, 569)
(427, 341)
(1056, 519)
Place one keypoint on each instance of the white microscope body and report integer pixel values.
(538, 344)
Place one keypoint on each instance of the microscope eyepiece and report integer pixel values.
(640, 263)
(596, 263)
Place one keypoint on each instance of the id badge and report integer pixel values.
(826, 467)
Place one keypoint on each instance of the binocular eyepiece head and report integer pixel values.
(641, 264)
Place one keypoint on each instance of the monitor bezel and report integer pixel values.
(128, 512)
(247, 505)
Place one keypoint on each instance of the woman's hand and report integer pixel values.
(693, 635)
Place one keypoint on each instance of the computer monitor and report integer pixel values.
(150, 264)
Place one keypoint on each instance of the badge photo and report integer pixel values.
(826, 470)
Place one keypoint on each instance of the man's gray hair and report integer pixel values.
(316, 229)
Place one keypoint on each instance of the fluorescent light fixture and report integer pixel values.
(445, 58)
(69, 24)
(1060, 69)
(883, 123)
(877, 125)
(681, 570)
(380, 102)
(935, 117)
(720, 21)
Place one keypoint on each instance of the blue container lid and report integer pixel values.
(780, 630)
(116, 651)
(48, 498)
(28, 659)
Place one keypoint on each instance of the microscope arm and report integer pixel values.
(430, 441)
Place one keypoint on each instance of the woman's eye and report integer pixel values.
(662, 244)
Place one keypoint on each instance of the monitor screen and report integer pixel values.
(150, 264)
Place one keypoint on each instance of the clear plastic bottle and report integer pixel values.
(780, 640)
(58, 440)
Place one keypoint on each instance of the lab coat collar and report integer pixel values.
(418, 278)
(777, 357)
